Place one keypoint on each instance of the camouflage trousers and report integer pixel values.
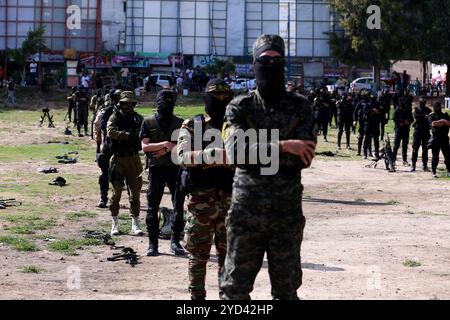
(207, 210)
(254, 230)
(125, 170)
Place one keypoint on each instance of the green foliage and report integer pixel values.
(18, 243)
(220, 67)
(34, 43)
(31, 269)
(69, 246)
(411, 263)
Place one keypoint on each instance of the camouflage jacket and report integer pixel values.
(294, 118)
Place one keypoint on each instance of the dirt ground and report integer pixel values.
(351, 250)
(366, 229)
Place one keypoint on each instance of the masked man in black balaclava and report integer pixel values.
(265, 216)
(209, 182)
(440, 123)
(157, 142)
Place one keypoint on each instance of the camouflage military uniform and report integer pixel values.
(266, 214)
(207, 208)
(125, 164)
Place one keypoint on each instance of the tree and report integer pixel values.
(220, 67)
(35, 42)
(358, 43)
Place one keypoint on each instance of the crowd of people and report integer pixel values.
(369, 115)
(220, 210)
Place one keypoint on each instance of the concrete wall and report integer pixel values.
(113, 22)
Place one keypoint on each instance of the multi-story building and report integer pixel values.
(227, 27)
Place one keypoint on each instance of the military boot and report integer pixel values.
(175, 245)
(413, 167)
(135, 229)
(102, 204)
(425, 168)
(115, 226)
(153, 248)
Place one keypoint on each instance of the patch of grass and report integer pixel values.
(411, 263)
(69, 246)
(31, 269)
(360, 200)
(435, 297)
(409, 212)
(392, 202)
(76, 216)
(18, 243)
(28, 224)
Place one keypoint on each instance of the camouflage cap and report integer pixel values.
(267, 42)
(107, 98)
(127, 96)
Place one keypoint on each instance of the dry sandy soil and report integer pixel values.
(362, 225)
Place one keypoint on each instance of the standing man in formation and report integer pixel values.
(208, 179)
(72, 106)
(322, 112)
(440, 123)
(421, 135)
(372, 119)
(344, 118)
(359, 118)
(125, 165)
(156, 139)
(266, 216)
(403, 119)
(96, 103)
(82, 109)
(384, 102)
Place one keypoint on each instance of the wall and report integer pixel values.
(113, 23)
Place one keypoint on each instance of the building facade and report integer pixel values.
(83, 25)
(227, 27)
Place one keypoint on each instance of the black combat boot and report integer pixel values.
(153, 247)
(175, 245)
(413, 167)
(425, 168)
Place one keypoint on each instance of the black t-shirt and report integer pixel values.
(440, 132)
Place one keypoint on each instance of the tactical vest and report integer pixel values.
(202, 177)
(131, 124)
(156, 134)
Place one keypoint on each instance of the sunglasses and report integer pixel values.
(267, 60)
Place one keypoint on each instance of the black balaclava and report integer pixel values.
(269, 77)
(437, 108)
(215, 108)
(165, 103)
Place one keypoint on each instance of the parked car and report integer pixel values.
(162, 80)
(365, 83)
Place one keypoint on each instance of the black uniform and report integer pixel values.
(403, 119)
(421, 135)
(105, 154)
(385, 106)
(322, 113)
(372, 119)
(161, 171)
(358, 116)
(344, 119)
(82, 107)
(440, 141)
